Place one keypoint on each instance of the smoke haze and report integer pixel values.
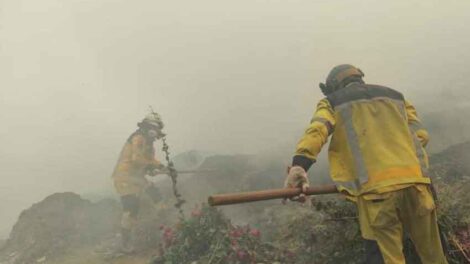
(226, 76)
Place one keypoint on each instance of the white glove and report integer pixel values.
(297, 178)
(161, 170)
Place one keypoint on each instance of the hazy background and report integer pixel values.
(227, 77)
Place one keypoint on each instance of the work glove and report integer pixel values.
(297, 178)
(159, 169)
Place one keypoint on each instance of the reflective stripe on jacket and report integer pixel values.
(377, 139)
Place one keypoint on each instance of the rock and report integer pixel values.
(58, 223)
(189, 160)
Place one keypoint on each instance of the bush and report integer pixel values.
(208, 237)
(454, 219)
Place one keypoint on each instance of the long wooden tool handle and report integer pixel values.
(157, 172)
(246, 197)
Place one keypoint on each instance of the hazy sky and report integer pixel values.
(227, 76)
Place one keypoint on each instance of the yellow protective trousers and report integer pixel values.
(384, 218)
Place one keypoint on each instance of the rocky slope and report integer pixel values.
(64, 228)
(57, 224)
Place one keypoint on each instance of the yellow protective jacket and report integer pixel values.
(136, 158)
(377, 139)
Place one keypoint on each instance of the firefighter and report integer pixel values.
(137, 159)
(377, 159)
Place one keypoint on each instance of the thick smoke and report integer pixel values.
(227, 77)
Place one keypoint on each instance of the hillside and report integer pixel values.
(64, 228)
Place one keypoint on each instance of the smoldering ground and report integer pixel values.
(227, 77)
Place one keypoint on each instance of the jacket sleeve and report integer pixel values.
(315, 136)
(415, 124)
(138, 153)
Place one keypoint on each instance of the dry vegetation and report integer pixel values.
(64, 228)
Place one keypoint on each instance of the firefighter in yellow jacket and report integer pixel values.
(377, 158)
(137, 159)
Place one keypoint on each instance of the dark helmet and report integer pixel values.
(338, 75)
